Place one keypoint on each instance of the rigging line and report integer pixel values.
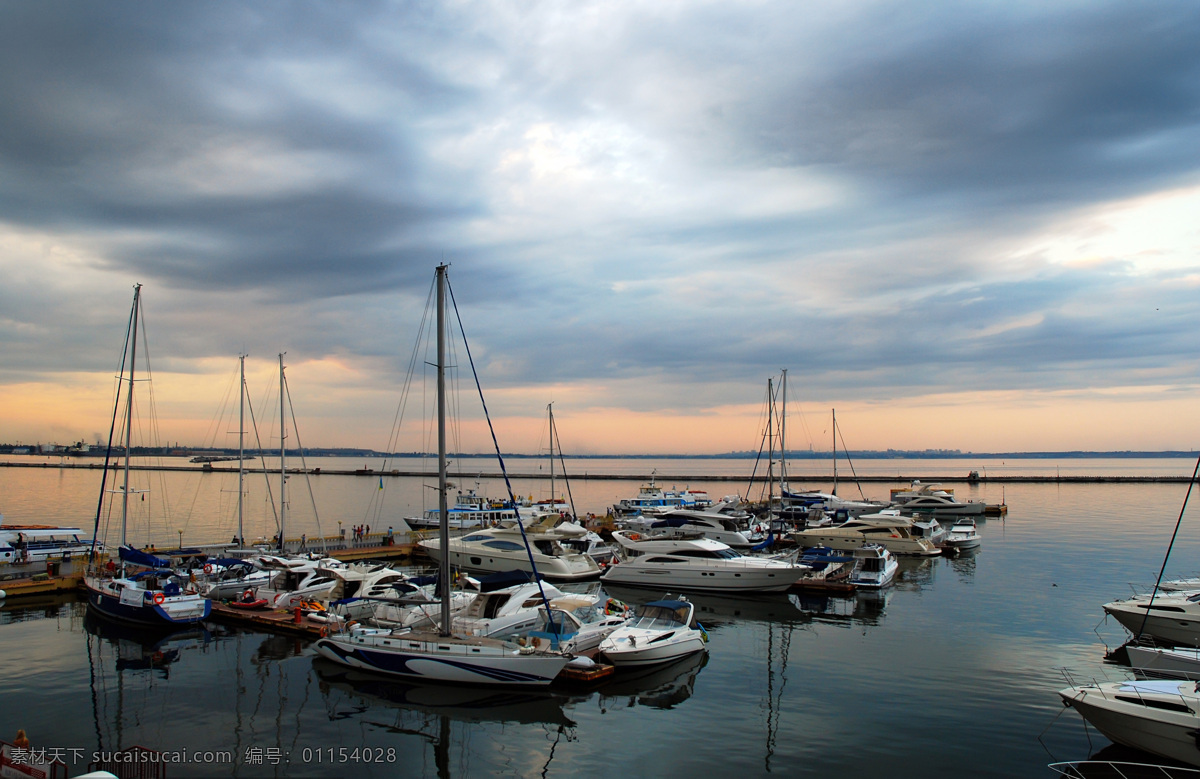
(761, 443)
(111, 429)
(837, 429)
(1167, 556)
(262, 459)
(504, 471)
(566, 481)
(303, 464)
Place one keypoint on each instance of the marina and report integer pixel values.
(990, 629)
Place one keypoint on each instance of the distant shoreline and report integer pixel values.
(862, 454)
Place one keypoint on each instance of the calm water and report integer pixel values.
(951, 672)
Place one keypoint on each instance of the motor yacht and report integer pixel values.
(293, 581)
(1156, 716)
(963, 535)
(659, 632)
(877, 567)
(711, 523)
(38, 543)
(578, 623)
(503, 549)
(680, 559)
(886, 528)
(1173, 617)
(653, 500)
(939, 505)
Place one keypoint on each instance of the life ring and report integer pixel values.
(248, 595)
(323, 632)
(634, 537)
(208, 568)
(159, 598)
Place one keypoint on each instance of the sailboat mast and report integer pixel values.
(137, 298)
(282, 453)
(833, 411)
(782, 436)
(241, 445)
(550, 409)
(770, 443)
(443, 512)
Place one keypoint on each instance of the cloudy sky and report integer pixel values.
(966, 226)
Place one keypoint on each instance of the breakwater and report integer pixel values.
(661, 477)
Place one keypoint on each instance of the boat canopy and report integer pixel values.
(138, 557)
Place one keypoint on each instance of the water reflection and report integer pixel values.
(866, 607)
(715, 611)
(143, 648)
(358, 691)
(660, 687)
(34, 607)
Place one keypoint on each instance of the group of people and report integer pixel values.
(361, 532)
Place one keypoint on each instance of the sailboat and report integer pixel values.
(441, 655)
(151, 597)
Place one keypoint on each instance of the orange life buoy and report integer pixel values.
(248, 595)
(159, 598)
(208, 568)
(634, 537)
(323, 632)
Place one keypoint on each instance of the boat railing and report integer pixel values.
(1078, 769)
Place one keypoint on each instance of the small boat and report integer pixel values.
(659, 632)
(248, 602)
(580, 623)
(877, 567)
(1157, 716)
(963, 535)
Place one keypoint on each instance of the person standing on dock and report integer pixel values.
(389, 536)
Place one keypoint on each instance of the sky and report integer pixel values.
(961, 225)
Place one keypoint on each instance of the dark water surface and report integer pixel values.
(951, 672)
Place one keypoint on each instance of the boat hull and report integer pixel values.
(443, 660)
(1160, 732)
(670, 576)
(1175, 627)
(848, 542)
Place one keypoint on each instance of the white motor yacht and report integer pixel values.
(659, 632)
(963, 534)
(1173, 617)
(505, 612)
(886, 528)
(503, 549)
(1171, 663)
(877, 567)
(939, 505)
(1157, 716)
(293, 581)
(38, 543)
(687, 560)
(709, 522)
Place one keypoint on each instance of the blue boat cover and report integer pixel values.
(770, 541)
(138, 557)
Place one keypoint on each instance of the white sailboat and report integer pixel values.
(442, 655)
(151, 597)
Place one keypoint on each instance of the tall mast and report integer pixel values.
(833, 411)
(282, 452)
(770, 443)
(782, 438)
(137, 297)
(443, 513)
(550, 408)
(241, 445)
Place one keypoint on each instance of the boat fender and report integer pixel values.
(208, 568)
(159, 598)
